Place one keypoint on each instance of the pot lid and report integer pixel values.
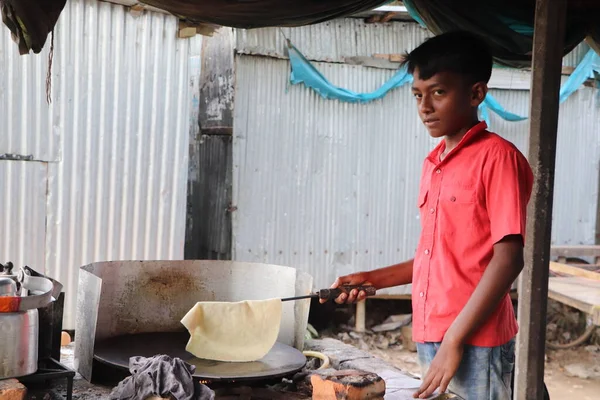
(41, 291)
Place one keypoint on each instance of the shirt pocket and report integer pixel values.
(458, 195)
(458, 211)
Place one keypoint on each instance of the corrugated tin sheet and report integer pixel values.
(574, 57)
(320, 185)
(333, 41)
(23, 217)
(341, 39)
(28, 125)
(121, 104)
(577, 169)
(330, 187)
(577, 160)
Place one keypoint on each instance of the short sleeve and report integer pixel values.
(507, 181)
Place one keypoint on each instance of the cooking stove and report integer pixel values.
(134, 308)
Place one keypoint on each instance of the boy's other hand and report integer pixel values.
(359, 278)
(442, 369)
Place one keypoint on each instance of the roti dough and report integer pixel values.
(233, 332)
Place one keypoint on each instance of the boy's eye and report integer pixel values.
(439, 92)
(417, 95)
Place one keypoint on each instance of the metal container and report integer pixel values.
(19, 344)
(19, 320)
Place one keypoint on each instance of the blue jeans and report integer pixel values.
(484, 373)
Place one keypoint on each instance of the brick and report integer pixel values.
(12, 389)
(347, 385)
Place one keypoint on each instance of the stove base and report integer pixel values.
(50, 370)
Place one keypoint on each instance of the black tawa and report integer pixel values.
(281, 361)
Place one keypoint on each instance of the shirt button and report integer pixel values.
(452, 198)
(427, 251)
(421, 294)
(432, 210)
(438, 171)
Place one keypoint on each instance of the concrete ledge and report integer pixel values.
(399, 385)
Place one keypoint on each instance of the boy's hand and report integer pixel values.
(442, 369)
(360, 278)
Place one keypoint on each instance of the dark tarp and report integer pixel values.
(30, 21)
(249, 14)
(507, 25)
(38, 17)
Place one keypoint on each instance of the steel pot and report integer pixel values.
(19, 322)
(19, 345)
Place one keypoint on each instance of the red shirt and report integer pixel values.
(469, 201)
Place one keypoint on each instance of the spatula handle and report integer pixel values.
(327, 294)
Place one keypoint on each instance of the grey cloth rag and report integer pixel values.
(161, 376)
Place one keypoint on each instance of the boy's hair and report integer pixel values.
(459, 52)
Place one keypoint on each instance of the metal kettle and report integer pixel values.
(19, 321)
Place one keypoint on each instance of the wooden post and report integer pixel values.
(209, 202)
(533, 292)
(360, 316)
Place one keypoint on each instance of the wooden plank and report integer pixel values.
(575, 271)
(209, 208)
(575, 251)
(549, 32)
(588, 267)
(580, 293)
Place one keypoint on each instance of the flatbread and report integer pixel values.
(234, 332)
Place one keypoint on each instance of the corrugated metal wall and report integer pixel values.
(120, 107)
(28, 127)
(23, 187)
(330, 187)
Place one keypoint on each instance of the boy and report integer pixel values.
(472, 202)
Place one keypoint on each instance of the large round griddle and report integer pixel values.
(281, 361)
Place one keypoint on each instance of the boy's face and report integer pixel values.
(446, 104)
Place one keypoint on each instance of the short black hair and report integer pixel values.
(459, 52)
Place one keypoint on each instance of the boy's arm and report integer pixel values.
(395, 275)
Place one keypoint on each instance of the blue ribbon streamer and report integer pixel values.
(302, 71)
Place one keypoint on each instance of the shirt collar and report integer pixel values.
(434, 155)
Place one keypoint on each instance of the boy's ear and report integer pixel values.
(478, 93)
